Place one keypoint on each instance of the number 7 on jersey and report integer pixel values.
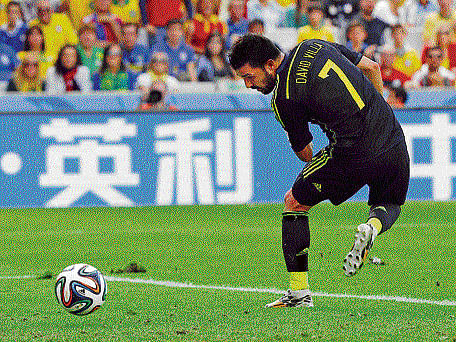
(331, 65)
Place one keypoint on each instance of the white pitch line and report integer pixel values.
(17, 277)
(174, 284)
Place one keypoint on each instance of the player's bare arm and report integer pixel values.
(306, 154)
(371, 70)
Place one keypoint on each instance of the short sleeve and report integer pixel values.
(299, 136)
(296, 126)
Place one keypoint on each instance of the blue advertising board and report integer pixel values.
(129, 101)
(131, 158)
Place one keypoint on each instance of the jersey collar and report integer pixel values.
(282, 65)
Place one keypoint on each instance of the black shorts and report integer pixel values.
(325, 178)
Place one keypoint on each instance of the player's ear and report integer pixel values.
(270, 65)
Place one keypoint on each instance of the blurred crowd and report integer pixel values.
(57, 46)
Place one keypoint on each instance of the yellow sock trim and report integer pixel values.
(298, 281)
(375, 222)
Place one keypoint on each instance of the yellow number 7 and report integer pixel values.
(331, 65)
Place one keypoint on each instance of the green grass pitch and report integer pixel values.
(237, 246)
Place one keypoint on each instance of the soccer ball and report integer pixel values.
(81, 289)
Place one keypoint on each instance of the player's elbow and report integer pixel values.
(367, 64)
(375, 66)
(306, 154)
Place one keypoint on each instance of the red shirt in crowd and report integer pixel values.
(161, 12)
(203, 28)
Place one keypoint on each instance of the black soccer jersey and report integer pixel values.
(319, 83)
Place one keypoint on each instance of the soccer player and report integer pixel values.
(340, 90)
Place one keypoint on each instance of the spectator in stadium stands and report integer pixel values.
(180, 54)
(12, 33)
(237, 24)
(158, 70)
(29, 8)
(204, 23)
(446, 16)
(316, 28)
(356, 36)
(8, 62)
(214, 65)
(387, 11)
(269, 11)
(3, 4)
(413, 13)
(432, 73)
(295, 15)
(155, 98)
(127, 10)
(448, 48)
(389, 73)
(107, 25)
(76, 10)
(156, 14)
(91, 54)
(112, 74)
(56, 27)
(397, 96)
(341, 12)
(375, 27)
(136, 56)
(34, 42)
(27, 76)
(406, 59)
(256, 26)
(68, 74)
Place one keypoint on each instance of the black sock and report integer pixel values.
(386, 213)
(296, 241)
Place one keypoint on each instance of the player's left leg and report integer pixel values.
(388, 189)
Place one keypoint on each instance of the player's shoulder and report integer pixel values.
(295, 73)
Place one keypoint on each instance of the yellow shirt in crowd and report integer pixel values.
(323, 33)
(128, 11)
(57, 33)
(409, 63)
(433, 22)
(3, 4)
(45, 60)
(79, 9)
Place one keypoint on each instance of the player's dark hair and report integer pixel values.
(254, 50)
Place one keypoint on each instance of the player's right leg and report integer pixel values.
(388, 182)
(381, 218)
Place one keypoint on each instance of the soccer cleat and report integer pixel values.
(364, 239)
(293, 299)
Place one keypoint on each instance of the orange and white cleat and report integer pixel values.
(293, 299)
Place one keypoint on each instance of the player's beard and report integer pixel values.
(269, 81)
